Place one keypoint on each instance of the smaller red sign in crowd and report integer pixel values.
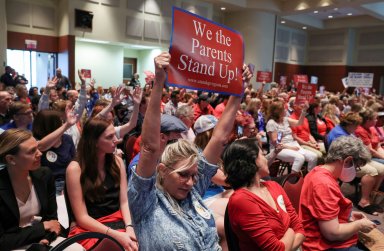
(264, 76)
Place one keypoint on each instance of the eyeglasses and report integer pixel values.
(184, 176)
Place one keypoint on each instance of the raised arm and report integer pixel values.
(116, 99)
(82, 100)
(216, 144)
(294, 122)
(150, 136)
(44, 100)
(126, 128)
(51, 139)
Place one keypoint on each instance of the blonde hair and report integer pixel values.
(174, 153)
(329, 111)
(10, 141)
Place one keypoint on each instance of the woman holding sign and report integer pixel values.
(280, 124)
(165, 191)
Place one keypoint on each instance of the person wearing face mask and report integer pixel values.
(328, 219)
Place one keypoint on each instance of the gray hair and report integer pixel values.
(184, 111)
(174, 153)
(346, 146)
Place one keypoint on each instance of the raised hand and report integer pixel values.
(51, 84)
(92, 83)
(71, 117)
(247, 75)
(136, 95)
(161, 65)
(117, 96)
(82, 77)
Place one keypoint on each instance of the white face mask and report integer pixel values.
(348, 173)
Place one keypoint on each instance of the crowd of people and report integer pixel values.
(158, 167)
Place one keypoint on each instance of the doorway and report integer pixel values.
(35, 66)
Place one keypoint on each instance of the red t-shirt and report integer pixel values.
(367, 137)
(219, 110)
(197, 112)
(321, 200)
(321, 127)
(330, 123)
(256, 224)
(303, 130)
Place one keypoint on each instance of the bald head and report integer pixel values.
(72, 95)
(58, 72)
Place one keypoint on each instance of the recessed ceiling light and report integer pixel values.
(222, 8)
(282, 21)
(304, 27)
(349, 14)
(330, 16)
(315, 11)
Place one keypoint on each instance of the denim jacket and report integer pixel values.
(159, 227)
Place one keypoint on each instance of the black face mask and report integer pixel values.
(172, 141)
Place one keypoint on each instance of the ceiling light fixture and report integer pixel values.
(282, 21)
(349, 14)
(330, 16)
(304, 27)
(222, 8)
(315, 11)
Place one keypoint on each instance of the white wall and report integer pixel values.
(258, 30)
(104, 61)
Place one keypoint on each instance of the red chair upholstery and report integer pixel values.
(292, 186)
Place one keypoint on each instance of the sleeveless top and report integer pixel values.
(110, 202)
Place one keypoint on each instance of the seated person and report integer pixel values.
(22, 116)
(260, 213)
(292, 151)
(302, 133)
(27, 195)
(96, 185)
(328, 219)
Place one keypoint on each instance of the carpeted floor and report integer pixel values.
(349, 191)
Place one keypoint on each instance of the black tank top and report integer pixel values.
(109, 204)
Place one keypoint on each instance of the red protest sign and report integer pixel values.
(300, 78)
(264, 76)
(86, 73)
(205, 55)
(305, 93)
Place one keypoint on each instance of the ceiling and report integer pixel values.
(314, 14)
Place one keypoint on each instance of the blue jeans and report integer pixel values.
(378, 160)
(59, 184)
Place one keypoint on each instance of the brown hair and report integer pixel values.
(367, 114)
(90, 181)
(275, 110)
(46, 122)
(351, 118)
(16, 107)
(203, 138)
(10, 141)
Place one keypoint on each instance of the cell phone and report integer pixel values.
(279, 137)
(240, 131)
(376, 222)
